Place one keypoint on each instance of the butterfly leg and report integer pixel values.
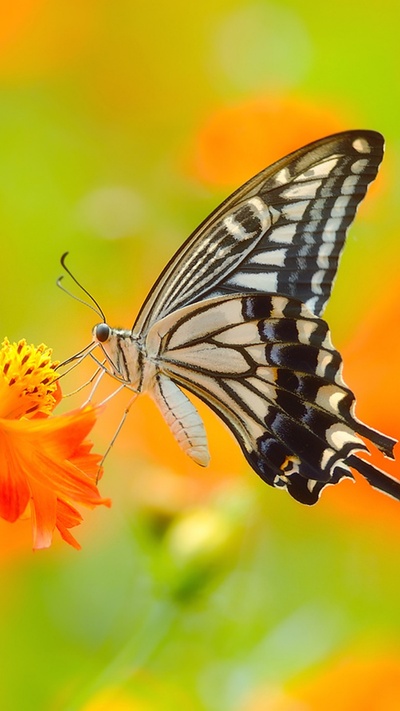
(120, 424)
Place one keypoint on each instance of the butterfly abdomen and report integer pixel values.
(182, 418)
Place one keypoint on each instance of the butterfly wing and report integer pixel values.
(267, 366)
(281, 232)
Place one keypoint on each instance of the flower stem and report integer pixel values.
(136, 653)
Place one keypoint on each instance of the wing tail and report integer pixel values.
(384, 443)
(377, 478)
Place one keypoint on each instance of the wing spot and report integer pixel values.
(332, 225)
(290, 465)
(305, 330)
(327, 455)
(262, 212)
(324, 253)
(321, 170)
(361, 145)
(324, 360)
(295, 211)
(338, 435)
(306, 190)
(283, 234)
(329, 398)
(236, 229)
(312, 303)
(282, 177)
(265, 281)
(359, 166)
(340, 206)
(349, 185)
(317, 280)
(273, 257)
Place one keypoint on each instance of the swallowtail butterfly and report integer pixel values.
(235, 319)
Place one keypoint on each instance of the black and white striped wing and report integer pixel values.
(267, 366)
(281, 232)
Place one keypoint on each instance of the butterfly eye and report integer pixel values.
(102, 332)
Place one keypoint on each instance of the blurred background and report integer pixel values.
(121, 126)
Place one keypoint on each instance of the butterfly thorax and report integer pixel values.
(125, 353)
(135, 361)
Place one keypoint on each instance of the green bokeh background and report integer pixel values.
(99, 104)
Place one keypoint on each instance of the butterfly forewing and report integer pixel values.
(282, 232)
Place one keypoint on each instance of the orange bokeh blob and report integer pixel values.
(237, 141)
(163, 453)
(357, 682)
(39, 38)
(17, 18)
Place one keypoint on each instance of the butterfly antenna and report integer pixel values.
(96, 308)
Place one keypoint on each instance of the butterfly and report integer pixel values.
(235, 319)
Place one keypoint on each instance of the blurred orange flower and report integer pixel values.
(237, 141)
(358, 682)
(30, 33)
(46, 465)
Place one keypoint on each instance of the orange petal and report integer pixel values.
(14, 489)
(43, 512)
(45, 460)
(62, 435)
(68, 517)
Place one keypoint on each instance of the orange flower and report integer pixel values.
(46, 466)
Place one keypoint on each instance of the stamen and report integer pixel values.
(27, 379)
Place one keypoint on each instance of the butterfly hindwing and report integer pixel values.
(282, 232)
(267, 366)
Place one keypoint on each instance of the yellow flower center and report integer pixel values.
(28, 383)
